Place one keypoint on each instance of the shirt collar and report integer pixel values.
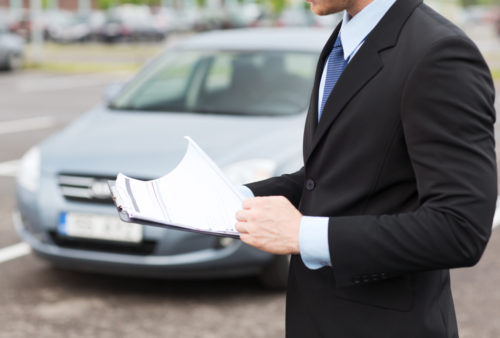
(355, 29)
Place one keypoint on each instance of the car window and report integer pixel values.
(219, 76)
(223, 82)
(162, 84)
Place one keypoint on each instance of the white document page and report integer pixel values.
(195, 195)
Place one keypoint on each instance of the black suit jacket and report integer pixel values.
(403, 164)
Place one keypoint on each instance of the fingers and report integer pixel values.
(243, 218)
(242, 215)
(241, 227)
(255, 202)
(247, 239)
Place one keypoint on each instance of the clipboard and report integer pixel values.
(125, 217)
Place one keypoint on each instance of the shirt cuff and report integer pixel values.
(313, 241)
(245, 191)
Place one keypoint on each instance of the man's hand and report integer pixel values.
(270, 224)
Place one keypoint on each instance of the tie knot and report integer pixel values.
(338, 42)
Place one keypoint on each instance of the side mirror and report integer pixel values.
(112, 91)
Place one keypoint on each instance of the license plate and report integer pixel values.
(109, 228)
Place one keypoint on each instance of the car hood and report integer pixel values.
(104, 142)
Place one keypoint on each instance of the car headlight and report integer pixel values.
(28, 175)
(250, 171)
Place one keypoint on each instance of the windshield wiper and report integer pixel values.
(170, 109)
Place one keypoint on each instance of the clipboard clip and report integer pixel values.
(116, 196)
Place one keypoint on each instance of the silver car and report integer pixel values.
(11, 48)
(241, 95)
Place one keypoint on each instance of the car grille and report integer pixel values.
(85, 188)
(146, 247)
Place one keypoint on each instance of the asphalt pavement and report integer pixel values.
(37, 300)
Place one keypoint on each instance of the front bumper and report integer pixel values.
(235, 260)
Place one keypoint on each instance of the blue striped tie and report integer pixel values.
(336, 65)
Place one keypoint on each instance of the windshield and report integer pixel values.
(223, 82)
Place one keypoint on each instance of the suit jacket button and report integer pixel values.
(310, 185)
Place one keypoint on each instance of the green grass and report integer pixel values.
(81, 67)
(496, 74)
(92, 57)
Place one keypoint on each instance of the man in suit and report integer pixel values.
(399, 177)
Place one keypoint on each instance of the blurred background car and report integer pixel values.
(293, 17)
(11, 48)
(243, 15)
(18, 22)
(73, 28)
(130, 23)
(146, 22)
(241, 95)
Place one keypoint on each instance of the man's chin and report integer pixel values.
(323, 11)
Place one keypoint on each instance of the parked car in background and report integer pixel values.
(19, 23)
(130, 23)
(11, 49)
(72, 29)
(243, 15)
(96, 20)
(241, 95)
(211, 19)
(66, 27)
(176, 20)
(296, 17)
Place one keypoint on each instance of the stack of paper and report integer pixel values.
(195, 196)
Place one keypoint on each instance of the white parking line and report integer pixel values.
(62, 83)
(9, 168)
(496, 218)
(14, 251)
(33, 123)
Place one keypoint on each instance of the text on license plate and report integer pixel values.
(102, 227)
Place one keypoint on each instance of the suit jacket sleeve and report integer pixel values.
(288, 185)
(447, 117)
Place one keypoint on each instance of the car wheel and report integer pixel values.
(275, 274)
(14, 61)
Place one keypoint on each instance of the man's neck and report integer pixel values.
(357, 6)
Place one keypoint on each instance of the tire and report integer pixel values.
(14, 61)
(275, 274)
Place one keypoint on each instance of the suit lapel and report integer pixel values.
(362, 68)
